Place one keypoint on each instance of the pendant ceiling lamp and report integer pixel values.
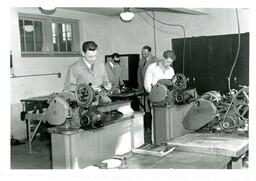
(126, 16)
(47, 10)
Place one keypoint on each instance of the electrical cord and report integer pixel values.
(154, 22)
(237, 52)
(184, 34)
(233, 66)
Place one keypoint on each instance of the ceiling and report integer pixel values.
(116, 11)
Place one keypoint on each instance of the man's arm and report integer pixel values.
(109, 72)
(70, 81)
(148, 79)
(106, 83)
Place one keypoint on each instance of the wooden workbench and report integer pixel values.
(81, 148)
(33, 115)
(178, 160)
(218, 144)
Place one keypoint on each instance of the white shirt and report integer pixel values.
(155, 73)
(112, 64)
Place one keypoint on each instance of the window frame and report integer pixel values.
(47, 47)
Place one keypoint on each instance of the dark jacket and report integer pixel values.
(143, 65)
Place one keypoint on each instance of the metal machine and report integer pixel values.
(213, 112)
(84, 108)
(210, 112)
(167, 118)
(171, 91)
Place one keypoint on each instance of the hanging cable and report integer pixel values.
(184, 34)
(237, 53)
(154, 22)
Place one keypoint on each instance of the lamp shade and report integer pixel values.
(47, 10)
(127, 16)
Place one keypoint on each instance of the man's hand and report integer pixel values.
(96, 88)
(107, 85)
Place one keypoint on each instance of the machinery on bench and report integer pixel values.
(215, 113)
(178, 110)
(203, 124)
(167, 118)
(92, 128)
(84, 108)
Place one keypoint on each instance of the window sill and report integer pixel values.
(51, 55)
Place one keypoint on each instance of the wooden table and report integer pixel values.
(178, 160)
(218, 144)
(33, 113)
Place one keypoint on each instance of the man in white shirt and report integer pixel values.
(146, 59)
(157, 71)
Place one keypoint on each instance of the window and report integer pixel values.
(48, 36)
(31, 35)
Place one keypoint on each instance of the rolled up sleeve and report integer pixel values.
(148, 79)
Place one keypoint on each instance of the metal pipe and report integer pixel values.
(34, 75)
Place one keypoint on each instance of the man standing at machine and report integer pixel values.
(159, 70)
(114, 73)
(146, 59)
(87, 70)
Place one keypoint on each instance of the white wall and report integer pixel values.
(130, 37)
(92, 27)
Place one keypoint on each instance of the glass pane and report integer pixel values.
(29, 35)
(69, 45)
(55, 43)
(54, 28)
(38, 35)
(68, 27)
(62, 44)
(62, 37)
(22, 43)
(69, 37)
(55, 37)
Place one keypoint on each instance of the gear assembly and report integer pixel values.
(85, 108)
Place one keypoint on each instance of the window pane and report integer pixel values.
(22, 43)
(62, 43)
(38, 35)
(55, 37)
(62, 37)
(29, 35)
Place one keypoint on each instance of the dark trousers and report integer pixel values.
(147, 120)
(148, 115)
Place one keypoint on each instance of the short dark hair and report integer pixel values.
(146, 47)
(89, 45)
(169, 54)
(115, 55)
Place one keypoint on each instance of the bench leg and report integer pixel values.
(236, 163)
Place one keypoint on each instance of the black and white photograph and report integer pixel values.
(124, 88)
